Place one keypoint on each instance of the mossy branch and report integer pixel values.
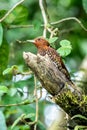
(72, 103)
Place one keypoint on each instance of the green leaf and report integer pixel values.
(53, 45)
(52, 40)
(1, 34)
(85, 5)
(65, 48)
(4, 54)
(18, 15)
(13, 69)
(2, 122)
(63, 51)
(12, 91)
(3, 89)
(7, 71)
(41, 125)
(65, 43)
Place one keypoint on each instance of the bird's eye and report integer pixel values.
(38, 39)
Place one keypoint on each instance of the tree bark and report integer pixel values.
(70, 100)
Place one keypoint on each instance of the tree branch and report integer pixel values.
(70, 101)
(18, 104)
(37, 108)
(19, 26)
(45, 15)
(3, 18)
(70, 18)
(52, 23)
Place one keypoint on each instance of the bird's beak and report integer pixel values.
(33, 41)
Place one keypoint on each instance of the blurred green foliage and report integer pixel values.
(11, 52)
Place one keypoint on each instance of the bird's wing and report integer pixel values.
(56, 58)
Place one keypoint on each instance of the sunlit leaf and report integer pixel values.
(13, 69)
(64, 51)
(2, 122)
(65, 43)
(3, 89)
(1, 34)
(53, 39)
(4, 54)
(7, 71)
(65, 48)
(18, 15)
(85, 5)
(12, 91)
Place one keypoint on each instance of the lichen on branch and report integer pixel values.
(71, 102)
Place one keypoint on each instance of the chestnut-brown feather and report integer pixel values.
(44, 48)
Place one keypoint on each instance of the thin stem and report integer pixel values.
(40, 93)
(67, 19)
(20, 26)
(43, 8)
(24, 73)
(18, 104)
(37, 110)
(23, 41)
(3, 18)
(45, 15)
(52, 23)
(44, 32)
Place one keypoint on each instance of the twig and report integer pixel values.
(19, 26)
(18, 104)
(54, 32)
(23, 119)
(67, 19)
(36, 118)
(40, 93)
(25, 73)
(11, 10)
(28, 123)
(23, 41)
(52, 23)
(45, 15)
(43, 8)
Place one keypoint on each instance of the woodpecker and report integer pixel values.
(44, 48)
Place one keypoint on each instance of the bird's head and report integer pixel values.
(40, 42)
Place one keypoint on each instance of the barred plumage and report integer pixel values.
(44, 48)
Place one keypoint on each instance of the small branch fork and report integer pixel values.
(52, 23)
(70, 18)
(45, 15)
(47, 27)
(37, 108)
